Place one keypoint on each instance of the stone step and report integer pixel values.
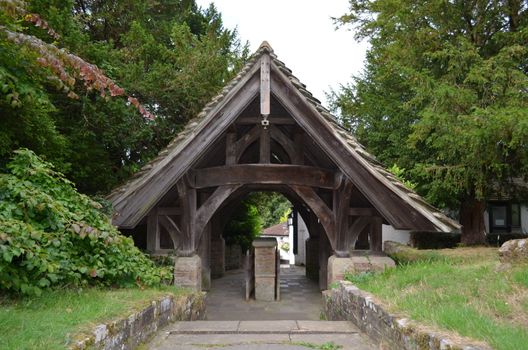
(263, 327)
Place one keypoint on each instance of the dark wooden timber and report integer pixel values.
(265, 98)
(153, 240)
(245, 141)
(286, 143)
(209, 207)
(273, 121)
(320, 209)
(376, 238)
(398, 212)
(341, 200)
(169, 211)
(129, 213)
(280, 174)
(265, 147)
(363, 212)
(358, 225)
(231, 151)
(173, 229)
(188, 197)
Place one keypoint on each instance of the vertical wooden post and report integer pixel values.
(188, 204)
(265, 82)
(376, 236)
(299, 151)
(153, 232)
(230, 148)
(265, 147)
(341, 206)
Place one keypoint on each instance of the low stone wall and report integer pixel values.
(349, 303)
(128, 333)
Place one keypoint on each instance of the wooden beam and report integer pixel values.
(173, 230)
(341, 200)
(231, 151)
(265, 86)
(188, 201)
(363, 212)
(265, 147)
(397, 211)
(320, 209)
(376, 235)
(153, 234)
(272, 120)
(285, 142)
(298, 141)
(138, 200)
(209, 208)
(169, 211)
(276, 174)
(246, 140)
(357, 226)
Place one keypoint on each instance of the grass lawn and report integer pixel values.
(48, 321)
(459, 290)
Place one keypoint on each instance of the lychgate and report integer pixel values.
(265, 132)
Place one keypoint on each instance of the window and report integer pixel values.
(504, 216)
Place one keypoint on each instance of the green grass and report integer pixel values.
(49, 321)
(459, 290)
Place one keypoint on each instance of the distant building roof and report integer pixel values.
(278, 230)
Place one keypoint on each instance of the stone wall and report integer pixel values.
(389, 331)
(128, 333)
(233, 257)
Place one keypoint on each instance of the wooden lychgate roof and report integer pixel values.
(398, 205)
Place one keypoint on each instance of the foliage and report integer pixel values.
(51, 235)
(244, 226)
(461, 293)
(443, 95)
(272, 207)
(400, 174)
(171, 55)
(49, 321)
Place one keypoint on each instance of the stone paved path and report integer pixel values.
(260, 335)
(300, 299)
(235, 324)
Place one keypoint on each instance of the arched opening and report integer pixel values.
(301, 245)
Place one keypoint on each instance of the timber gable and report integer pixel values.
(315, 152)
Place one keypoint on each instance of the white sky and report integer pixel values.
(302, 35)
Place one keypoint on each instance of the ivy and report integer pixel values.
(51, 235)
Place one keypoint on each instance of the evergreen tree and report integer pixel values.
(444, 94)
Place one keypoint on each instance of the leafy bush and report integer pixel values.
(52, 235)
(245, 225)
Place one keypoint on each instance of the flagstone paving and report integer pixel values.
(300, 298)
(235, 324)
(257, 335)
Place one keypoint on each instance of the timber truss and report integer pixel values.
(266, 132)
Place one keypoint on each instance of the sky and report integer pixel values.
(302, 35)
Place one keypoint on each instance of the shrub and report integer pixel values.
(52, 235)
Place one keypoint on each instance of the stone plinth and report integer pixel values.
(357, 263)
(265, 268)
(188, 272)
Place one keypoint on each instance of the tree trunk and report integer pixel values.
(472, 220)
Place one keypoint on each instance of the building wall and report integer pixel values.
(524, 218)
(302, 236)
(389, 233)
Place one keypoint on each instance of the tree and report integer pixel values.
(444, 95)
(171, 55)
